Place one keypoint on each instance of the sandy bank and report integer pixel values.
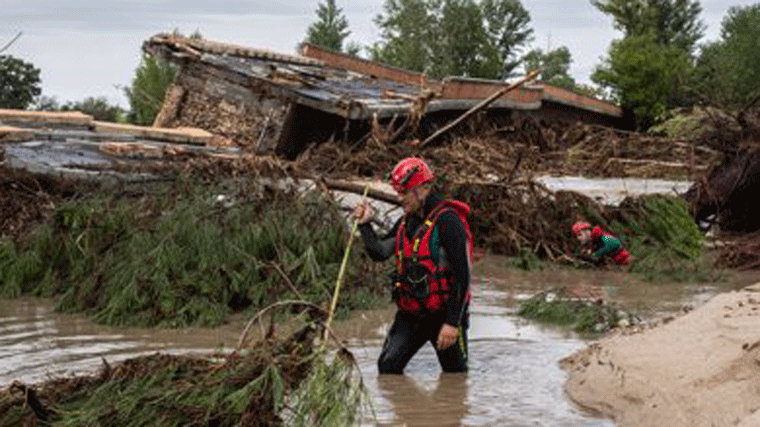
(699, 369)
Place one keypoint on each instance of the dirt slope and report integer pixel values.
(700, 369)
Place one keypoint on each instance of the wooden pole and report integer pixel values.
(342, 272)
(483, 104)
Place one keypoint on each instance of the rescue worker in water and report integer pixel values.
(604, 245)
(433, 250)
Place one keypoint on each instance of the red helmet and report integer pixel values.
(409, 173)
(596, 232)
(580, 226)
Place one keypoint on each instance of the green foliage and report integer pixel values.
(644, 76)
(555, 64)
(330, 395)
(453, 37)
(146, 95)
(331, 28)
(98, 108)
(507, 25)
(667, 221)
(662, 236)
(405, 30)
(686, 123)
(19, 82)
(277, 382)
(671, 23)
(179, 257)
(727, 71)
(461, 46)
(527, 260)
(581, 316)
(647, 70)
(670, 245)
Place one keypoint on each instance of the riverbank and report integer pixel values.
(697, 369)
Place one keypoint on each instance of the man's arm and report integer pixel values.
(609, 244)
(379, 248)
(453, 239)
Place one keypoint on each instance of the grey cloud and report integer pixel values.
(88, 15)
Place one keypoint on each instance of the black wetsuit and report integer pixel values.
(410, 331)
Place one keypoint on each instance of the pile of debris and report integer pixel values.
(723, 199)
(264, 385)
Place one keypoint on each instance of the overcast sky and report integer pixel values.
(91, 48)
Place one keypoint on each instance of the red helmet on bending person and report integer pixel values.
(578, 227)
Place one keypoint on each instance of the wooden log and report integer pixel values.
(76, 118)
(181, 135)
(481, 105)
(14, 134)
(359, 189)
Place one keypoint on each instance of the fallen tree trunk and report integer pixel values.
(359, 189)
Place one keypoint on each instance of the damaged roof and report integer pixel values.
(357, 88)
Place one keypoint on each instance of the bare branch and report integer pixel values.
(13, 40)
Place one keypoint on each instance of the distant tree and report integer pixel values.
(331, 28)
(453, 37)
(405, 30)
(508, 23)
(672, 23)
(555, 64)
(353, 48)
(98, 108)
(146, 94)
(592, 91)
(19, 82)
(644, 76)
(460, 45)
(46, 103)
(728, 71)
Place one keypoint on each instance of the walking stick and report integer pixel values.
(343, 270)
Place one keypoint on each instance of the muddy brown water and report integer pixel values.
(514, 377)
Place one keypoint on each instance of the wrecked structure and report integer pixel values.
(272, 101)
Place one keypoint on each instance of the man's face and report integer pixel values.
(411, 200)
(585, 235)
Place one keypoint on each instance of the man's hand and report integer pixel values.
(447, 336)
(363, 212)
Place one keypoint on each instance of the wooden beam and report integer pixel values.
(10, 116)
(181, 135)
(14, 134)
(483, 104)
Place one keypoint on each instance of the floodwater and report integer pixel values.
(514, 377)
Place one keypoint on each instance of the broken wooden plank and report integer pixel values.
(181, 135)
(14, 134)
(170, 106)
(481, 105)
(13, 116)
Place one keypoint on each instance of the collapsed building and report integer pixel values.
(278, 102)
